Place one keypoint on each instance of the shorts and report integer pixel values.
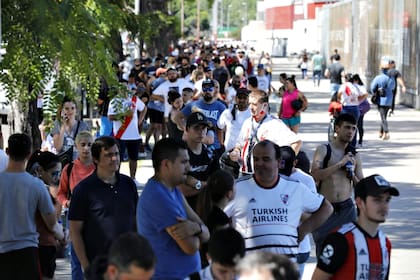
(132, 147)
(155, 116)
(344, 212)
(20, 264)
(290, 122)
(47, 260)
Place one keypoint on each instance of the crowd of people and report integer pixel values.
(233, 196)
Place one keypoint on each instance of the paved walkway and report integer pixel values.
(397, 160)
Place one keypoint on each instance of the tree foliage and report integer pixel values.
(69, 41)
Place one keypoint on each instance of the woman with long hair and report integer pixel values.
(218, 192)
(66, 127)
(47, 167)
(293, 104)
(364, 106)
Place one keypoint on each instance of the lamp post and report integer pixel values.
(228, 16)
(245, 19)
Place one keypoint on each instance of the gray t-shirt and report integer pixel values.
(68, 141)
(335, 72)
(21, 196)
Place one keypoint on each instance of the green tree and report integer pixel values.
(73, 42)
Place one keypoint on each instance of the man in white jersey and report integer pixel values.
(174, 83)
(267, 208)
(289, 170)
(261, 126)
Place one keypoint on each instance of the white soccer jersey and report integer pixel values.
(233, 127)
(271, 128)
(309, 182)
(164, 88)
(132, 130)
(268, 218)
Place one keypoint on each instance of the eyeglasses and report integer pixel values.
(208, 89)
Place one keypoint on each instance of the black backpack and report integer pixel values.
(327, 158)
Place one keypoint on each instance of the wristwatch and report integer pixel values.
(197, 185)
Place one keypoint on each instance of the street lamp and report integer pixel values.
(245, 19)
(228, 16)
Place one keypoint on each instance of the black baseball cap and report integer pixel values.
(242, 91)
(197, 118)
(374, 185)
(208, 83)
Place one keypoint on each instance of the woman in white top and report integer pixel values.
(350, 97)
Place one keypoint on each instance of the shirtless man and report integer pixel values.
(335, 183)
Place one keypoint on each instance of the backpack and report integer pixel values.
(327, 158)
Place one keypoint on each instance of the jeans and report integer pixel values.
(383, 111)
(334, 88)
(360, 129)
(76, 268)
(316, 74)
(304, 73)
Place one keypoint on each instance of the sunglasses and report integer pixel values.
(208, 89)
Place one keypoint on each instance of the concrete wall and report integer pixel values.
(365, 30)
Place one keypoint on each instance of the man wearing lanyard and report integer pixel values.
(261, 126)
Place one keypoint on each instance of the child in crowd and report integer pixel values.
(335, 106)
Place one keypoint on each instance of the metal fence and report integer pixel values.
(365, 30)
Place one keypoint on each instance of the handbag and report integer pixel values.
(375, 98)
(364, 106)
(66, 156)
(297, 104)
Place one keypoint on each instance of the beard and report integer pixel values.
(172, 80)
(207, 98)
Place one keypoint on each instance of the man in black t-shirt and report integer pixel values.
(103, 205)
(396, 75)
(202, 159)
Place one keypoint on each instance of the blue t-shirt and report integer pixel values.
(212, 111)
(158, 208)
(387, 83)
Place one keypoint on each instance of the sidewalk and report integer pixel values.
(397, 160)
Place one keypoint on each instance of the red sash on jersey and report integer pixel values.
(126, 122)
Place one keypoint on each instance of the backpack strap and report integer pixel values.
(327, 156)
(325, 163)
(77, 129)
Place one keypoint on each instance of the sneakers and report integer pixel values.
(381, 134)
(386, 136)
